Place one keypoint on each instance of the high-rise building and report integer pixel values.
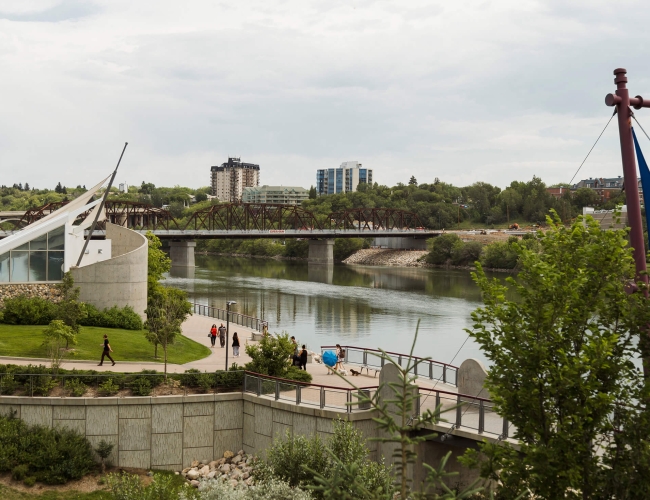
(344, 179)
(229, 179)
(284, 195)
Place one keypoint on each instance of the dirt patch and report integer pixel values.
(86, 484)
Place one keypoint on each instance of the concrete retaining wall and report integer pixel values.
(169, 432)
(121, 280)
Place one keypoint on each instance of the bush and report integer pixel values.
(344, 247)
(55, 456)
(108, 388)
(114, 317)
(442, 248)
(75, 387)
(165, 486)
(499, 255)
(30, 481)
(295, 373)
(271, 356)
(8, 384)
(190, 378)
(141, 387)
(28, 311)
(272, 489)
(466, 253)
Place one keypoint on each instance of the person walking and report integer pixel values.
(107, 351)
(303, 358)
(213, 335)
(340, 356)
(235, 345)
(295, 358)
(222, 335)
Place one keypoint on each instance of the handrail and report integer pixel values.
(450, 378)
(455, 394)
(291, 381)
(388, 352)
(235, 317)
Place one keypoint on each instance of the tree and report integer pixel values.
(561, 368)
(70, 310)
(413, 181)
(147, 188)
(166, 311)
(271, 356)
(199, 197)
(313, 193)
(157, 264)
(585, 197)
(57, 334)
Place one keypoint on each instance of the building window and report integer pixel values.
(41, 259)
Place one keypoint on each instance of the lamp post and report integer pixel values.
(228, 304)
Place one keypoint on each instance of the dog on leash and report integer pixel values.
(354, 372)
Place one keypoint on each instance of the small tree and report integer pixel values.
(158, 263)
(104, 451)
(271, 356)
(168, 308)
(413, 181)
(562, 372)
(70, 310)
(57, 335)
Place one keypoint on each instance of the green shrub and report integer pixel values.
(54, 456)
(206, 382)
(499, 255)
(42, 385)
(295, 373)
(271, 356)
(232, 379)
(344, 247)
(20, 472)
(8, 384)
(29, 481)
(165, 486)
(108, 388)
(28, 311)
(466, 253)
(190, 378)
(442, 248)
(141, 387)
(75, 387)
(114, 317)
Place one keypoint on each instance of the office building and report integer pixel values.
(285, 195)
(344, 179)
(229, 179)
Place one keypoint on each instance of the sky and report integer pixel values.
(465, 91)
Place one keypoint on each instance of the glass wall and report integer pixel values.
(41, 259)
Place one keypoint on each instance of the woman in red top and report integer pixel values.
(213, 335)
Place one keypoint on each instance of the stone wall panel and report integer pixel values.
(304, 425)
(135, 411)
(263, 420)
(166, 449)
(228, 415)
(249, 430)
(198, 432)
(196, 409)
(200, 454)
(227, 440)
(101, 420)
(36, 415)
(69, 412)
(136, 459)
(135, 434)
(78, 426)
(167, 418)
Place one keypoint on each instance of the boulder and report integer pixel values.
(195, 463)
(228, 454)
(214, 464)
(236, 459)
(234, 482)
(193, 474)
(195, 483)
(225, 468)
(211, 474)
(240, 452)
(204, 470)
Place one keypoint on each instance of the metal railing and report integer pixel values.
(372, 359)
(117, 384)
(307, 394)
(463, 411)
(237, 318)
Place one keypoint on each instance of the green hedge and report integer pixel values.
(37, 311)
(52, 456)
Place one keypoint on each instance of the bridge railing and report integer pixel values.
(237, 318)
(307, 394)
(463, 411)
(372, 359)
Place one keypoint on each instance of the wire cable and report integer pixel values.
(592, 147)
(640, 126)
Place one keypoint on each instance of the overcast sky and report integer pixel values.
(461, 90)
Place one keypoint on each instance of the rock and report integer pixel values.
(195, 483)
(205, 462)
(176, 473)
(235, 474)
(249, 481)
(149, 473)
(236, 459)
(214, 464)
(204, 470)
(212, 474)
(186, 469)
(245, 475)
(193, 474)
(234, 482)
(225, 468)
(240, 452)
(228, 454)
(195, 463)
(221, 461)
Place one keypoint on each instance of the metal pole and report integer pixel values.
(622, 102)
(227, 330)
(101, 206)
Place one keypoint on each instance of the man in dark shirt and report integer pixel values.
(107, 351)
(222, 335)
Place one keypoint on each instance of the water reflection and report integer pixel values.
(366, 306)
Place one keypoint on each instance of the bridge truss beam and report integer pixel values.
(369, 219)
(253, 217)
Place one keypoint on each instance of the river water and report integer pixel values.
(365, 306)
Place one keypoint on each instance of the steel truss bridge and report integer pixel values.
(247, 220)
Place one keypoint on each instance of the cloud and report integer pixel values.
(465, 91)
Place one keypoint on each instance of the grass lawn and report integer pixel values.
(128, 345)
(12, 494)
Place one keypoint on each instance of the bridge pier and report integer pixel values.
(321, 251)
(182, 253)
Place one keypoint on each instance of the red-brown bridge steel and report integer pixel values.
(129, 214)
(374, 219)
(252, 217)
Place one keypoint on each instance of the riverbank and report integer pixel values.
(251, 256)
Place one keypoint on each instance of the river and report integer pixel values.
(355, 305)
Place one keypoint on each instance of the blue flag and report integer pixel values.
(645, 178)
